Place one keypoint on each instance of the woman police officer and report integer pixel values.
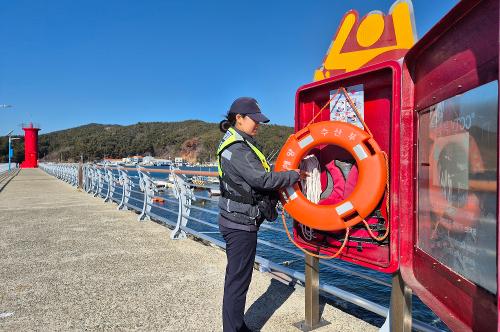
(248, 188)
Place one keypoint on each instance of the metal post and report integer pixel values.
(10, 150)
(184, 195)
(9, 135)
(94, 179)
(312, 291)
(124, 181)
(112, 184)
(400, 311)
(312, 315)
(146, 186)
(106, 178)
(98, 179)
(80, 175)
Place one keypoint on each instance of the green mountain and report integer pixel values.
(195, 141)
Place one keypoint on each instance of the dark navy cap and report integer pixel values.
(249, 107)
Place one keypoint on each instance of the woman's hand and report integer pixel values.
(302, 174)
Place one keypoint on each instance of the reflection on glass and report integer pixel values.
(457, 183)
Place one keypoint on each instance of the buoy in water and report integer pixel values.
(158, 200)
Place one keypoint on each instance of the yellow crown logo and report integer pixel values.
(374, 38)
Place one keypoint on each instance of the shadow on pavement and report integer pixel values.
(266, 305)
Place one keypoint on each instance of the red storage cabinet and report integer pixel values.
(449, 170)
(381, 87)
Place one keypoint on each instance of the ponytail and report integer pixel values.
(228, 122)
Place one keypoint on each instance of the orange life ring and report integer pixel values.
(369, 188)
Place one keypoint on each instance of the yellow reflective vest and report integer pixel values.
(232, 137)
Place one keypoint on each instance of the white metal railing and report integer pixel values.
(5, 174)
(4, 168)
(65, 172)
(136, 192)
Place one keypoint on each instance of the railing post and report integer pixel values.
(86, 178)
(92, 179)
(90, 182)
(105, 177)
(80, 176)
(95, 180)
(125, 182)
(312, 313)
(101, 181)
(185, 196)
(112, 186)
(98, 180)
(312, 292)
(400, 319)
(146, 185)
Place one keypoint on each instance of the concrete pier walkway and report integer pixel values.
(69, 261)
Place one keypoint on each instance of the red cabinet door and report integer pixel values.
(449, 174)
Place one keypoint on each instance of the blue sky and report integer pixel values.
(69, 63)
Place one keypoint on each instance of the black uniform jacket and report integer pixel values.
(241, 164)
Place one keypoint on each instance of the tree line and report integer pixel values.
(193, 140)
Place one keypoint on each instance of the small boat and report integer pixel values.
(161, 185)
(199, 182)
(214, 192)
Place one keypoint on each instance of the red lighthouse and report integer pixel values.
(30, 147)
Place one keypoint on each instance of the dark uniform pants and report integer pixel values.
(240, 250)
